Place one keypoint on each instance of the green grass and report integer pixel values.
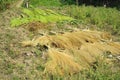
(99, 16)
(47, 3)
(35, 14)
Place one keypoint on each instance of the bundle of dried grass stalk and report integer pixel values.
(72, 52)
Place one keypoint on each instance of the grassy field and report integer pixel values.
(99, 16)
(64, 29)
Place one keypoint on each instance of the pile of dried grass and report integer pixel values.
(34, 26)
(61, 63)
(76, 50)
(37, 26)
(70, 40)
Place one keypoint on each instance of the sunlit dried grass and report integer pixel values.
(61, 63)
(79, 50)
(36, 26)
(73, 39)
(70, 40)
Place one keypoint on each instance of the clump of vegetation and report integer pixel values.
(35, 14)
(99, 16)
(45, 3)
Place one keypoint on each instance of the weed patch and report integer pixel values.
(99, 16)
(35, 14)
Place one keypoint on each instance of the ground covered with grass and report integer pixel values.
(60, 43)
